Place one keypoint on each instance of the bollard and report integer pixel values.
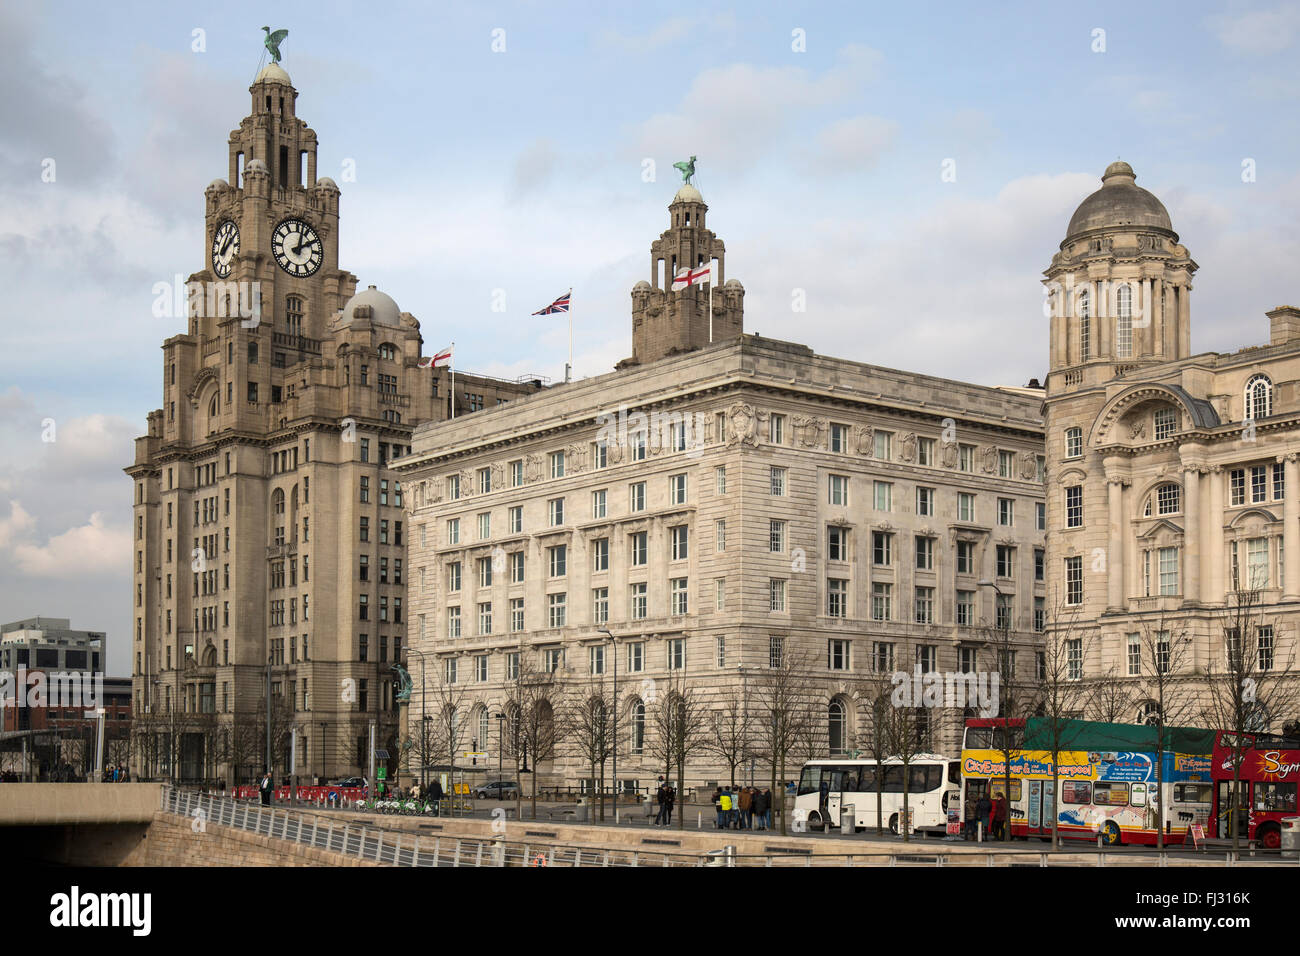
(699, 819)
(979, 832)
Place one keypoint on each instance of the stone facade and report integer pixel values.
(713, 508)
(1173, 475)
(268, 523)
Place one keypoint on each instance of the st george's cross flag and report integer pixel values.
(437, 360)
(559, 305)
(690, 277)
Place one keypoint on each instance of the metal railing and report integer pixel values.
(397, 846)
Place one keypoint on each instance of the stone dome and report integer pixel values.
(326, 183)
(733, 284)
(273, 73)
(383, 310)
(641, 285)
(1119, 203)
(217, 184)
(256, 166)
(688, 193)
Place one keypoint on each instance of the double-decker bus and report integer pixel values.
(1107, 780)
(1266, 785)
(932, 786)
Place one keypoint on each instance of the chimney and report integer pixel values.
(1284, 325)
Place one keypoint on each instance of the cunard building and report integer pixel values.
(718, 503)
(270, 531)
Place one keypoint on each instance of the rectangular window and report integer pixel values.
(1074, 580)
(599, 454)
(776, 536)
(925, 658)
(557, 560)
(882, 595)
(776, 594)
(555, 512)
(1166, 421)
(640, 549)
(883, 494)
(516, 473)
(596, 659)
(485, 526)
(636, 657)
(453, 622)
(677, 489)
(1237, 486)
(485, 618)
(677, 653)
(1168, 558)
(637, 496)
(1265, 659)
(1040, 564)
(882, 548)
(1074, 506)
(453, 531)
(515, 519)
(837, 547)
(924, 553)
(600, 605)
(837, 654)
(720, 594)
(1006, 512)
(837, 597)
(721, 642)
(557, 609)
(453, 576)
(680, 601)
(884, 445)
(924, 606)
(1258, 483)
(557, 464)
(966, 457)
(965, 557)
(481, 669)
(720, 480)
(1256, 563)
(517, 567)
(598, 504)
(600, 554)
(965, 608)
(1279, 484)
(720, 535)
(839, 438)
(516, 615)
(638, 603)
(512, 665)
(924, 501)
(837, 490)
(776, 429)
(775, 650)
(1074, 659)
(484, 572)
(1006, 464)
(680, 538)
(882, 657)
(965, 506)
(776, 481)
(1006, 560)
(925, 451)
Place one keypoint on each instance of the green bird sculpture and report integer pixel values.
(273, 41)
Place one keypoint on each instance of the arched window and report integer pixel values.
(837, 727)
(1149, 713)
(1085, 325)
(1165, 500)
(481, 722)
(277, 501)
(1124, 320)
(388, 351)
(1074, 443)
(638, 727)
(1259, 397)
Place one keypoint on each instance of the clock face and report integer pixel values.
(225, 246)
(297, 248)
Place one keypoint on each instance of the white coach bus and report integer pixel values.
(934, 783)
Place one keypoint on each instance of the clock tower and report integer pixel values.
(270, 529)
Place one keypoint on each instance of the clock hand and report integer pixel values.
(298, 248)
(226, 245)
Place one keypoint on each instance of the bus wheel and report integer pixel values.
(1110, 834)
(815, 822)
(1270, 837)
(893, 824)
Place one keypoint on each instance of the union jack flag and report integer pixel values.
(559, 305)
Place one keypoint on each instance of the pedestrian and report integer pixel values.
(1000, 816)
(983, 811)
(660, 803)
(968, 812)
(768, 800)
(266, 787)
(746, 808)
(669, 800)
(824, 801)
(717, 806)
(435, 791)
(757, 807)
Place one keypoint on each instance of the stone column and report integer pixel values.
(1115, 548)
(1212, 551)
(1184, 322)
(1192, 534)
(1291, 528)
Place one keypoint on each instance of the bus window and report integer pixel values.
(1109, 795)
(1138, 794)
(1193, 792)
(924, 778)
(1076, 791)
(954, 771)
(1275, 796)
(867, 781)
(893, 779)
(979, 738)
(810, 779)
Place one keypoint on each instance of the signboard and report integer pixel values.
(954, 822)
(383, 773)
(1198, 834)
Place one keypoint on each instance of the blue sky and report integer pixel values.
(522, 170)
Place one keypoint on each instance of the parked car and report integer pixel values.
(500, 789)
(351, 782)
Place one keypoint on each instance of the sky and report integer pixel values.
(889, 180)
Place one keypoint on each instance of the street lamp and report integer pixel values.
(1005, 628)
(424, 779)
(614, 645)
(501, 749)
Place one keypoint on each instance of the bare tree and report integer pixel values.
(1165, 651)
(1244, 692)
(448, 724)
(783, 709)
(588, 728)
(535, 729)
(874, 693)
(1063, 691)
(1112, 698)
(680, 718)
(1015, 702)
(728, 732)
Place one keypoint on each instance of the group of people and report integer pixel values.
(741, 808)
(992, 813)
(118, 774)
(665, 798)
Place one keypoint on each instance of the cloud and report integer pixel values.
(533, 168)
(853, 144)
(91, 549)
(1258, 32)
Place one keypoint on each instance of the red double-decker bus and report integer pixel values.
(1266, 785)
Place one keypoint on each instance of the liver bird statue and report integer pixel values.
(273, 41)
(686, 168)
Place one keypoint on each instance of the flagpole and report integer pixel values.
(568, 369)
(453, 379)
(709, 292)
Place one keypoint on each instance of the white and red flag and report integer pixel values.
(690, 277)
(438, 359)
